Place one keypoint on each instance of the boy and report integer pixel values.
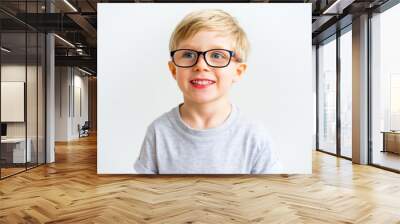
(206, 133)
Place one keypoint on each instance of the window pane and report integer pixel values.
(346, 93)
(327, 96)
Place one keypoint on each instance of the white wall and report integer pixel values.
(68, 81)
(61, 103)
(135, 86)
(80, 84)
(314, 88)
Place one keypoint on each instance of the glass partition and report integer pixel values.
(32, 95)
(22, 78)
(13, 95)
(41, 107)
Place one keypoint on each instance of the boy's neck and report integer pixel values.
(205, 116)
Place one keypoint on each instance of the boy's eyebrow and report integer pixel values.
(211, 47)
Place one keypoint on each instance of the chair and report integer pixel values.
(84, 130)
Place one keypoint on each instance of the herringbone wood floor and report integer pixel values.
(70, 191)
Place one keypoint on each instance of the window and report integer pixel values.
(385, 89)
(327, 96)
(346, 94)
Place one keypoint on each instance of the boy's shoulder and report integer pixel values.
(163, 120)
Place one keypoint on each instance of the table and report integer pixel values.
(391, 141)
(16, 147)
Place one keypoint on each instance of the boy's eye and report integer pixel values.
(217, 55)
(188, 54)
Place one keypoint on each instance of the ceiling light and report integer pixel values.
(337, 7)
(70, 5)
(64, 40)
(5, 49)
(329, 9)
(86, 72)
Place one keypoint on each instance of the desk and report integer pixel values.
(17, 150)
(391, 141)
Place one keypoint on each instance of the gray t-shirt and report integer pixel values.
(237, 146)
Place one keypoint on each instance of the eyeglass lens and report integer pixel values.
(216, 58)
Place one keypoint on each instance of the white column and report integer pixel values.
(50, 92)
(360, 90)
(50, 110)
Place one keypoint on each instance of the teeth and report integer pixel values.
(201, 82)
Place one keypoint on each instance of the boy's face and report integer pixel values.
(202, 83)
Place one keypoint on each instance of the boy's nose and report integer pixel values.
(201, 63)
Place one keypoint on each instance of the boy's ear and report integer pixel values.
(172, 69)
(239, 71)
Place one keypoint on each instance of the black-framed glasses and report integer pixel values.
(217, 58)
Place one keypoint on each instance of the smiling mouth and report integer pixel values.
(201, 83)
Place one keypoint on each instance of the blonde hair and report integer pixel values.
(212, 20)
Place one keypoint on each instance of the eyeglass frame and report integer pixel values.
(231, 54)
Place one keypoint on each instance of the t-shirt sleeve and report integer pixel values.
(146, 163)
(267, 160)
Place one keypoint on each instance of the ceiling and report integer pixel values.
(75, 21)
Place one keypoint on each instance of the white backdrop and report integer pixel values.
(135, 86)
